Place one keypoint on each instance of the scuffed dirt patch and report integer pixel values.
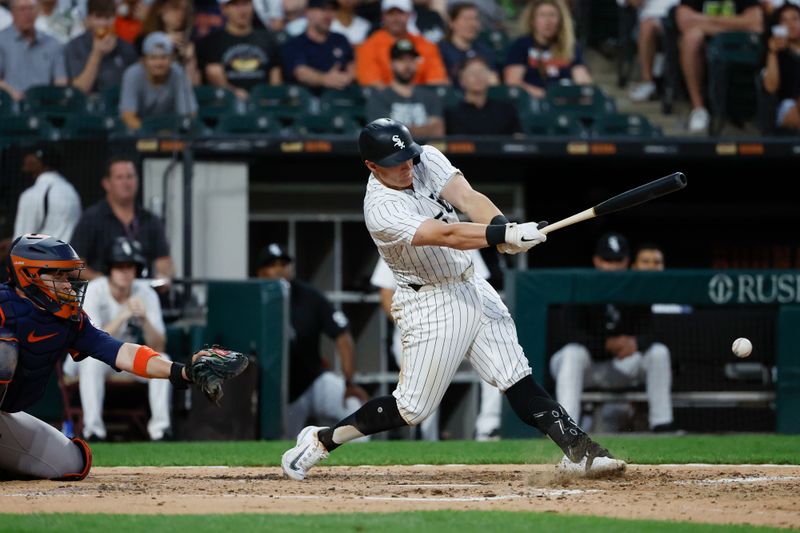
(757, 495)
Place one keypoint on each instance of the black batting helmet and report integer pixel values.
(387, 143)
(126, 251)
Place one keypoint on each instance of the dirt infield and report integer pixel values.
(760, 495)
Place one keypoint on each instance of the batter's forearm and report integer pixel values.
(481, 209)
(461, 235)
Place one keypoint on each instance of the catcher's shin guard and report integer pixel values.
(86, 451)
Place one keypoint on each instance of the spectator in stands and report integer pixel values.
(349, 24)
(427, 22)
(294, 21)
(313, 390)
(782, 74)
(548, 54)
(51, 205)
(130, 18)
(648, 256)
(63, 24)
(207, 19)
(373, 61)
(462, 42)
(5, 18)
(487, 424)
(239, 57)
(128, 309)
(493, 15)
(96, 59)
(175, 18)
(319, 58)
(404, 101)
(697, 20)
(651, 12)
(270, 13)
(476, 114)
(610, 348)
(28, 57)
(155, 86)
(118, 215)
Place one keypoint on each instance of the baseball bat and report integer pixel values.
(639, 195)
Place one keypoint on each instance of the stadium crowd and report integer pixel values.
(156, 65)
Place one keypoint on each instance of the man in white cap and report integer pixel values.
(156, 85)
(373, 63)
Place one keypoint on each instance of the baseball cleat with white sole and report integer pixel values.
(308, 451)
(587, 458)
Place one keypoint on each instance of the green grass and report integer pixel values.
(719, 449)
(416, 522)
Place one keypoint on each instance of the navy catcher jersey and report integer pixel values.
(43, 339)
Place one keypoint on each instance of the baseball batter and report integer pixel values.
(41, 320)
(444, 312)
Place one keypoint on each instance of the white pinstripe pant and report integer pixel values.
(442, 324)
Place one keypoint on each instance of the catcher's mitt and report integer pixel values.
(214, 366)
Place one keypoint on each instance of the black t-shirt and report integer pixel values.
(720, 7)
(311, 315)
(247, 60)
(98, 227)
(494, 118)
(591, 325)
(789, 69)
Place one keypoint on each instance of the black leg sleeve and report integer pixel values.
(536, 408)
(378, 414)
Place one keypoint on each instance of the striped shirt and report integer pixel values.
(393, 217)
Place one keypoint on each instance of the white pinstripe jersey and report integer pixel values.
(393, 217)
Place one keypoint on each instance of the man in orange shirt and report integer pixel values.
(373, 65)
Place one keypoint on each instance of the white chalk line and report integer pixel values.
(735, 480)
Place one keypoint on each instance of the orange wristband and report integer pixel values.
(143, 355)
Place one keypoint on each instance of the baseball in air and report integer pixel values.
(742, 347)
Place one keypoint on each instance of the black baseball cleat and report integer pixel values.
(587, 458)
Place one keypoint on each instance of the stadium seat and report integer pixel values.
(351, 100)
(329, 123)
(213, 102)
(552, 124)
(109, 101)
(624, 125)
(7, 104)
(734, 58)
(287, 102)
(86, 126)
(54, 103)
(516, 95)
(173, 125)
(263, 123)
(14, 129)
(449, 96)
(585, 102)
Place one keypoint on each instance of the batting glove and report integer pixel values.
(524, 236)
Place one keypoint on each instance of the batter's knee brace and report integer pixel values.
(86, 452)
(9, 356)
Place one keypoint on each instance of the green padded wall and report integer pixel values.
(251, 316)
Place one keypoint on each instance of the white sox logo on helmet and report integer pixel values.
(397, 142)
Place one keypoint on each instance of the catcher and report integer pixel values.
(41, 320)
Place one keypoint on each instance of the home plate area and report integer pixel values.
(724, 494)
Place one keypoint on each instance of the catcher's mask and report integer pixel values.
(62, 292)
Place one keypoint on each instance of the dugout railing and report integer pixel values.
(749, 294)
